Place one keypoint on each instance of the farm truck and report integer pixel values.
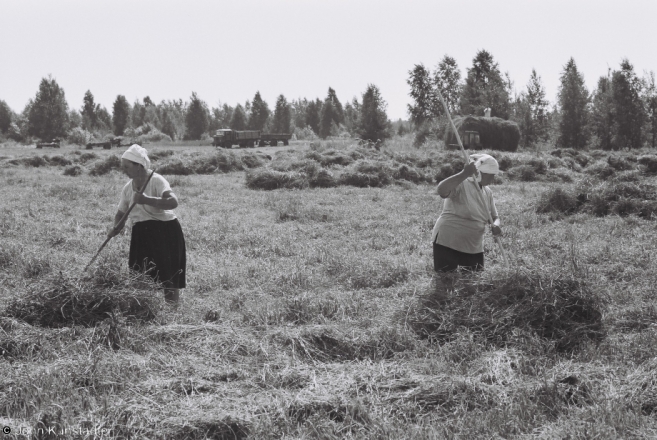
(226, 138)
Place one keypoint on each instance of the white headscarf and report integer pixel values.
(486, 163)
(137, 154)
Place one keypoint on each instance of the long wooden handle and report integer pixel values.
(467, 161)
(123, 218)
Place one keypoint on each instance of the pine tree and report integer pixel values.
(650, 103)
(352, 116)
(259, 113)
(603, 115)
(48, 114)
(138, 114)
(282, 116)
(120, 115)
(168, 127)
(485, 88)
(299, 108)
(373, 124)
(196, 118)
(313, 115)
(5, 117)
(573, 98)
(88, 112)
(447, 79)
(238, 121)
(629, 111)
(332, 115)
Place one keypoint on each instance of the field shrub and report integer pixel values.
(58, 160)
(405, 172)
(581, 158)
(558, 200)
(79, 136)
(85, 157)
(105, 166)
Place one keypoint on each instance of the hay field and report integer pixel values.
(312, 310)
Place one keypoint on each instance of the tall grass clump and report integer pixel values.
(58, 300)
(504, 309)
(649, 162)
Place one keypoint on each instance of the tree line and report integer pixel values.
(48, 116)
(620, 113)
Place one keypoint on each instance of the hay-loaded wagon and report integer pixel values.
(226, 138)
(479, 132)
(53, 144)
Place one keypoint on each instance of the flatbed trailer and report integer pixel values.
(226, 138)
(53, 144)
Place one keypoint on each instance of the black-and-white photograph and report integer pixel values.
(328, 219)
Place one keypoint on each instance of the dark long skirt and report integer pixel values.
(447, 259)
(157, 248)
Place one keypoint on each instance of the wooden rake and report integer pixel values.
(481, 191)
(123, 219)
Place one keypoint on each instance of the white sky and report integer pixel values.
(227, 50)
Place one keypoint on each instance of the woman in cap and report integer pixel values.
(157, 245)
(458, 235)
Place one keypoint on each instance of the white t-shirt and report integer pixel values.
(155, 188)
(462, 224)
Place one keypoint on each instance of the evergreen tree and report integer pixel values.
(485, 88)
(331, 116)
(5, 117)
(447, 79)
(138, 114)
(650, 103)
(373, 124)
(338, 114)
(168, 127)
(628, 106)
(103, 118)
(238, 121)
(282, 116)
(88, 112)
(120, 115)
(313, 115)
(299, 108)
(259, 113)
(573, 98)
(603, 115)
(48, 114)
(352, 116)
(196, 118)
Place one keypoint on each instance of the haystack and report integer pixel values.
(494, 133)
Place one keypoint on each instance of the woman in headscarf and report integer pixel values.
(458, 235)
(157, 244)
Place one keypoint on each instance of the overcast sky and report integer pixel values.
(225, 51)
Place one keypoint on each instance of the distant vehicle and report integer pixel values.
(54, 144)
(114, 142)
(226, 138)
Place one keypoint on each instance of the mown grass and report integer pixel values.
(314, 312)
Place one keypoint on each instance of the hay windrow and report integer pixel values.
(496, 307)
(58, 300)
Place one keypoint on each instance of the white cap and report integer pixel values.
(485, 163)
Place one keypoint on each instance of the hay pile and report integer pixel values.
(62, 301)
(505, 309)
(105, 166)
(494, 133)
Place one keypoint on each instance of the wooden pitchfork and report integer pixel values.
(123, 219)
(481, 191)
